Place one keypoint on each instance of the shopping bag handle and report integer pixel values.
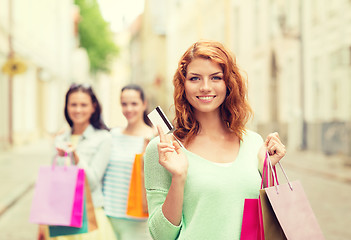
(67, 156)
(265, 172)
(275, 177)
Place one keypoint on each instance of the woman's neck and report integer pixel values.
(78, 129)
(211, 124)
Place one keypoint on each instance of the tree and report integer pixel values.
(95, 36)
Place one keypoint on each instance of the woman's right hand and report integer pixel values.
(60, 152)
(171, 157)
(64, 148)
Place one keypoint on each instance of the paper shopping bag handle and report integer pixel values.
(67, 155)
(274, 173)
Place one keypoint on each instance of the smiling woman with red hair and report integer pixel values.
(235, 110)
(198, 192)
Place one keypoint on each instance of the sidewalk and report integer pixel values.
(334, 167)
(18, 170)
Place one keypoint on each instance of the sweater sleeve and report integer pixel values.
(157, 183)
(96, 167)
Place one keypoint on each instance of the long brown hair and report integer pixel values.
(138, 88)
(96, 118)
(235, 110)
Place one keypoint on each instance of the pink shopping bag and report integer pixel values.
(250, 229)
(58, 196)
(252, 223)
(293, 210)
(78, 205)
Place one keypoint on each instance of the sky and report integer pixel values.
(120, 13)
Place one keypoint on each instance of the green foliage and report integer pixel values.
(95, 36)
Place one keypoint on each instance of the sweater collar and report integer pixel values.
(87, 132)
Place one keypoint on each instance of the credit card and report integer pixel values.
(158, 117)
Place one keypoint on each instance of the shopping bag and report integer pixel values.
(271, 227)
(252, 222)
(64, 230)
(78, 204)
(89, 221)
(58, 196)
(250, 229)
(92, 224)
(135, 197)
(294, 213)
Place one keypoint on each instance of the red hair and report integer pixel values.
(235, 110)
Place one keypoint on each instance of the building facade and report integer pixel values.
(31, 103)
(295, 54)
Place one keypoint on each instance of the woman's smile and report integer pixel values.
(207, 98)
(205, 88)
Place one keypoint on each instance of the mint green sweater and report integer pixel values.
(213, 196)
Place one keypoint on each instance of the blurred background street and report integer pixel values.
(296, 56)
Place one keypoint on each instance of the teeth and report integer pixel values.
(205, 98)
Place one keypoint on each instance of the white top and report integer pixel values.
(93, 149)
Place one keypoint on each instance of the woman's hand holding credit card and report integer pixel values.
(158, 118)
(171, 156)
